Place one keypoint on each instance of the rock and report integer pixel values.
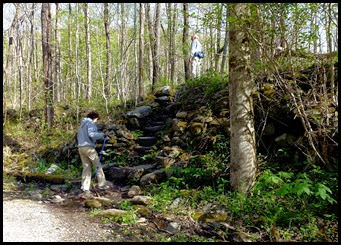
(173, 227)
(181, 115)
(57, 199)
(93, 203)
(153, 177)
(106, 202)
(214, 216)
(36, 195)
(134, 122)
(172, 152)
(196, 128)
(164, 91)
(52, 169)
(144, 200)
(140, 112)
(123, 174)
(179, 125)
(110, 213)
(175, 203)
(146, 141)
(59, 187)
(143, 210)
(167, 162)
(141, 220)
(163, 99)
(166, 138)
(134, 190)
(240, 236)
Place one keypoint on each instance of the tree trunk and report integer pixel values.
(151, 39)
(331, 76)
(226, 42)
(172, 54)
(242, 142)
(88, 51)
(78, 85)
(156, 64)
(108, 47)
(72, 87)
(217, 54)
(47, 61)
(185, 42)
(141, 54)
(57, 60)
(7, 72)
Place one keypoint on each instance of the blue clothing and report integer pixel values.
(195, 47)
(88, 133)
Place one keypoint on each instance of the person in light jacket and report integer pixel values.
(196, 61)
(87, 136)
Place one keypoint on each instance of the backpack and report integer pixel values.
(200, 55)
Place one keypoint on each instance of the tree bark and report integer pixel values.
(47, 62)
(217, 55)
(185, 42)
(156, 63)
(108, 47)
(9, 61)
(88, 52)
(242, 142)
(70, 77)
(141, 54)
(226, 41)
(57, 60)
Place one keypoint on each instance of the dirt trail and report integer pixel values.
(25, 220)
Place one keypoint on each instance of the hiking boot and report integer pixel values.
(86, 195)
(106, 186)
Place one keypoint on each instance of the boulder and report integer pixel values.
(164, 91)
(92, 203)
(106, 202)
(173, 227)
(179, 126)
(153, 177)
(110, 213)
(134, 190)
(143, 210)
(52, 169)
(140, 112)
(123, 174)
(196, 128)
(143, 200)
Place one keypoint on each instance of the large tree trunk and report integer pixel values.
(47, 61)
(88, 51)
(70, 69)
(185, 42)
(243, 146)
(156, 64)
(151, 39)
(141, 54)
(57, 60)
(108, 47)
(217, 54)
(226, 41)
(172, 54)
(9, 62)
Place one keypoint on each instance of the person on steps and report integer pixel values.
(196, 49)
(87, 136)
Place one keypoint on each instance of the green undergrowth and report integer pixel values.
(284, 205)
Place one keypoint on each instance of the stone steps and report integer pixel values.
(142, 149)
(146, 140)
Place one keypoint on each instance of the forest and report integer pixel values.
(245, 149)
